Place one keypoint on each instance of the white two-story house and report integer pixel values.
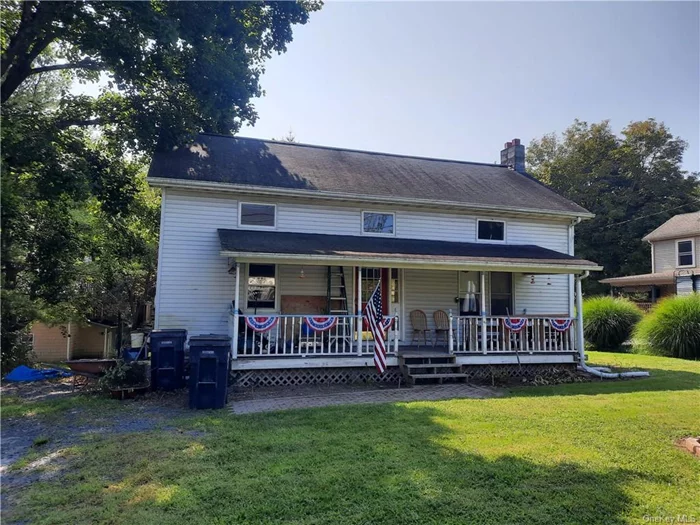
(674, 260)
(279, 245)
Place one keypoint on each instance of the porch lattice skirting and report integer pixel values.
(530, 371)
(336, 376)
(314, 376)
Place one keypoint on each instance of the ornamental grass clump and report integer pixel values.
(609, 321)
(672, 328)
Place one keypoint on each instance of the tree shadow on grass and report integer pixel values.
(382, 464)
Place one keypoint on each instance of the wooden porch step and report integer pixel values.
(431, 365)
(424, 355)
(448, 375)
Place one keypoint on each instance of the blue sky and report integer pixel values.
(457, 80)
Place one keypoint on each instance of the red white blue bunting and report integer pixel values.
(561, 325)
(261, 324)
(321, 324)
(515, 324)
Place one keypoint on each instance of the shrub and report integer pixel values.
(672, 328)
(608, 321)
(124, 375)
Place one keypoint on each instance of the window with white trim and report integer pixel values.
(686, 253)
(262, 286)
(376, 223)
(257, 215)
(490, 230)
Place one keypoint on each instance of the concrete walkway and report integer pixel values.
(416, 393)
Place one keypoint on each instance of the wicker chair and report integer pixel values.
(442, 326)
(419, 324)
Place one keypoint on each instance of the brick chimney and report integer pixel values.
(513, 155)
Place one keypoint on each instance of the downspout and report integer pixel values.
(598, 372)
(571, 240)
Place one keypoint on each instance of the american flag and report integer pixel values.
(375, 319)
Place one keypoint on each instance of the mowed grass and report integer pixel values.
(600, 452)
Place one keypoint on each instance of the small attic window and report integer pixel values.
(257, 215)
(494, 231)
(375, 223)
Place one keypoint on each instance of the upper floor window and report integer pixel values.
(376, 223)
(257, 215)
(686, 253)
(490, 230)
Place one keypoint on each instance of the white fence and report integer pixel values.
(293, 335)
(490, 335)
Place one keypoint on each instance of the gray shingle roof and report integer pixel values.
(364, 247)
(683, 225)
(246, 161)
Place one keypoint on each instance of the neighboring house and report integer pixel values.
(52, 344)
(675, 268)
(285, 231)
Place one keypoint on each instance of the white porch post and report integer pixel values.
(236, 310)
(579, 320)
(359, 310)
(450, 334)
(483, 311)
(396, 331)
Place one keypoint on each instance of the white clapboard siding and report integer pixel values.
(548, 295)
(684, 285)
(664, 255)
(347, 219)
(314, 283)
(435, 226)
(195, 289)
(551, 235)
(429, 290)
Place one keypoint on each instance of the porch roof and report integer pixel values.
(649, 279)
(311, 248)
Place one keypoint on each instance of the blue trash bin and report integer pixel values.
(168, 359)
(209, 369)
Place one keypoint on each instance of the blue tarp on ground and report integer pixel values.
(24, 373)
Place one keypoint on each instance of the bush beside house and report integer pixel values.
(672, 328)
(609, 321)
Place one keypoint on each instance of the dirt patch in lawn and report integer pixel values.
(37, 445)
(691, 444)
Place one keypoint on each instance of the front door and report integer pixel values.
(370, 278)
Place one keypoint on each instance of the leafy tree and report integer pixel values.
(70, 162)
(633, 183)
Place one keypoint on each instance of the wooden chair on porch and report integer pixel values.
(419, 325)
(442, 326)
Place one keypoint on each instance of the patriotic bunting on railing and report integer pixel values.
(561, 325)
(387, 323)
(321, 324)
(261, 324)
(515, 324)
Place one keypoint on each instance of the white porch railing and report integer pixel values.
(489, 335)
(292, 336)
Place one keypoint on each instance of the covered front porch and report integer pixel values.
(299, 310)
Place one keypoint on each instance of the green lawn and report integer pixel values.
(600, 452)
